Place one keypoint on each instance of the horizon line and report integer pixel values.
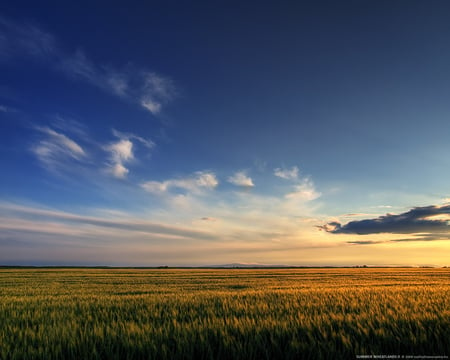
(226, 266)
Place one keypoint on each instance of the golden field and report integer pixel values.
(224, 313)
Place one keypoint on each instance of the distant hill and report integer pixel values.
(246, 265)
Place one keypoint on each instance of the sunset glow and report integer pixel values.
(310, 134)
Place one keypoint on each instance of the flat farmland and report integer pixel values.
(224, 313)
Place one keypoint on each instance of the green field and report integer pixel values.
(223, 314)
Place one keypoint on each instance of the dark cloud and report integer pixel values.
(416, 220)
(418, 237)
(425, 237)
(364, 242)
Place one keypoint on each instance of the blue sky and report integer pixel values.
(210, 133)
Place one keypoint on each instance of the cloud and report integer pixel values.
(357, 214)
(7, 109)
(55, 149)
(79, 66)
(305, 191)
(151, 105)
(32, 234)
(145, 88)
(26, 39)
(206, 179)
(118, 83)
(68, 125)
(201, 180)
(288, 174)
(206, 218)
(240, 178)
(426, 219)
(36, 220)
(365, 242)
(156, 187)
(157, 90)
(120, 153)
(126, 136)
(118, 170)
(425, 237)
(150, 90)
(123, 151)
(416, 238)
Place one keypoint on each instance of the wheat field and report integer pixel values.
(224, 313)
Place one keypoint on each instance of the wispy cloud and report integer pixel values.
(426, 219)
(71, 126)
(201, 180)
(305, 191)
(54, 149)
(366, 242)
(118, 82)
(17, 39)
(25, 218)
(79, 66)
(149, 144)
(356, 215)
(206, 218)
(157, 90)
(382, 207)
(7, 109)
(148, 89)
(416, 238)
(241, 179)
(31, 234)
(62, 147)
(288, 174)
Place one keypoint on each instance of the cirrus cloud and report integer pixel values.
(54, 149)
(201, 180)
(28, 39)
(148, 89)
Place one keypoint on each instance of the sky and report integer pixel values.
(208, 133)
